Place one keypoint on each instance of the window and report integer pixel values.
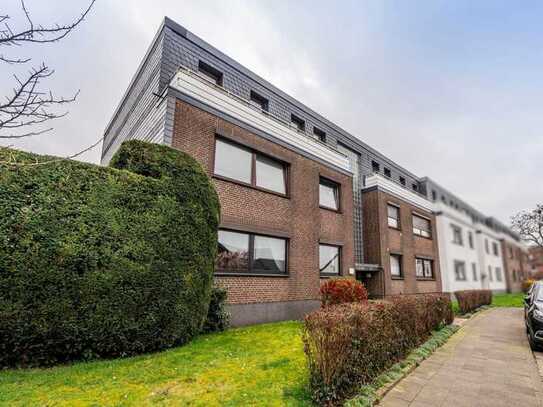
(321, 135)
(375, 167)
(486, 247)
(498, 274)
(209, 73)
(329, 259)
(415, 187)
(396, 265)
(240, 253)
(457, 235)
(495, 249)
(434, 195)
(270, 174)
(328, 194)
(470, 239)
(387, 172)
(422, 226)
(297, 123)
(259, 101)
(490, 276)
(474, 271)
(236, 162)
(393, 213)
(402, 181)
(459, 270)
(424, 268)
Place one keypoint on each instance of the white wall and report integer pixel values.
(449, 252)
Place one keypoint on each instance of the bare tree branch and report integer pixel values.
(38, 33)
(14, 164)
(529, 225)
(14, 61)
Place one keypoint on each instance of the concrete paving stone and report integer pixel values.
(486, 363)
(391, 401)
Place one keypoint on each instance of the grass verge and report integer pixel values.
(371, 393)
(498, 300)
(239, 367)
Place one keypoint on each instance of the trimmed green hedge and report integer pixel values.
(104, 262)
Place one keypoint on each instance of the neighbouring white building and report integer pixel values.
(475, 251)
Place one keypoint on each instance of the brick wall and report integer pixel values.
(380, 240)
(297, 217)
(514, 268)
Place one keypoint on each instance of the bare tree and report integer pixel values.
(29, 106)
(529, 224)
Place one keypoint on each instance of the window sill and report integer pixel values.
(245, 184)
(326, 208)
(329, 275)
(423, 237)
(222, 274)
(394, 228)
(397, 278)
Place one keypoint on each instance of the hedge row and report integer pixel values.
(470, 300)
(349, 345)
(342, 290)
(103, 262)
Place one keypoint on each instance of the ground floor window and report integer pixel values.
(329, 259)
(424, 268)
(248, 253)
(460, 270)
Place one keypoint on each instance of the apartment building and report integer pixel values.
(535, 262)
(476, 251)
(301, 199)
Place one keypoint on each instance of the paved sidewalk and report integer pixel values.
(486, 363)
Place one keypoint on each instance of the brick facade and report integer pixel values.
(514, 266)
(380, 241)
(296, 217)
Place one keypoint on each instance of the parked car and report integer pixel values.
(533, 315)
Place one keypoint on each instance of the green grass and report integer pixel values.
(508, 300)
(499, 300)
(262, 364)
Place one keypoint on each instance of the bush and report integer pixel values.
(349, 345)
(102, 262)
(470, 300)
(340, 291)
(526, 285)
(218, 319)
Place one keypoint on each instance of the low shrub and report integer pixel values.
(99, 262)
(470, 300)
(218, 319)
(342, 290)
(526, 284)
(349, 345)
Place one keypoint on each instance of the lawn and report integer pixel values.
(245, 366)
(508, 300)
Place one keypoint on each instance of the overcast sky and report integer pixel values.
(452, 90)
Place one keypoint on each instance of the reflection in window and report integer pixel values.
(270, 174)
(233, 252)
(232, 161)
(328, 194)
(395, 265)
(329, 259)
(269, 254)
(421, 226)
(248, 253)
(424, 268)
(393, 213)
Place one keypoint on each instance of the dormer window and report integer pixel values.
(375, 167)
(209, 73)
(415, 187)
(387, 172)
(259, 101)
(402, 181)
(297, 123)
(321, 135)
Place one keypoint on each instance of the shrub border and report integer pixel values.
(369, 394)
